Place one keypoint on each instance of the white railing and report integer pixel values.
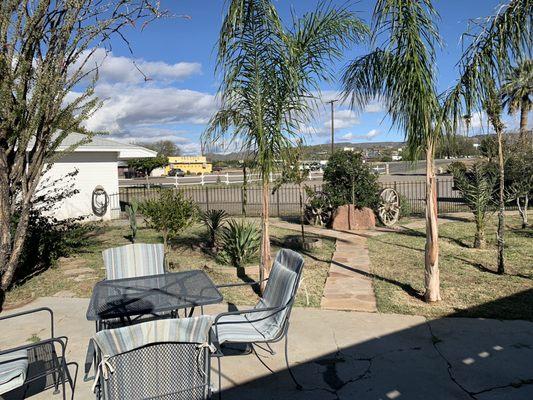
(228, 179)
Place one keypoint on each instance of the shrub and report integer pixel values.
(240, 243)
(405, 207)
(49, 239)
(213, 220)
(169, 214)
(350, 181)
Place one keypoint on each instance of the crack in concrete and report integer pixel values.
(472, 395)
(514, 385)
(449, 365)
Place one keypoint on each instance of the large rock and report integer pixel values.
(350, 218)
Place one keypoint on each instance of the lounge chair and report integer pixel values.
(35, 367)
(268, 321)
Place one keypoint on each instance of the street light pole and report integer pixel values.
(332, 102)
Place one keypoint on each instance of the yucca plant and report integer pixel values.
(131, 210)
(213, 220)
(240, 242)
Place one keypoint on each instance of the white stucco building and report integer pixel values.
(96, 179)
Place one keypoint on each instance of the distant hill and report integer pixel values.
(316, 151)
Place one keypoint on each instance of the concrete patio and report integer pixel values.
(346, 355)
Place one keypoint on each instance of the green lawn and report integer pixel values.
(469, 285)
(77, 275)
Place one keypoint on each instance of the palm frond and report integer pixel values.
(400, 70)
(492, 44)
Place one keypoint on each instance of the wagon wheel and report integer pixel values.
(389, 207)
(320, 213)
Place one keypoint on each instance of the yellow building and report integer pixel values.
(189, 164)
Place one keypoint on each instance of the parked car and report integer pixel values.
(217, 169)
(176, 172)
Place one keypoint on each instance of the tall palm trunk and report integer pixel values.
(501, 198)
(264, 269)
(479, 238)
(432, 276)
(524, 112)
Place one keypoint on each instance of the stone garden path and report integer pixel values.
(349, 283)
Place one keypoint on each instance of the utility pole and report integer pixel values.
(332, 102)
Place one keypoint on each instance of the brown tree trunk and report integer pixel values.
(431, 275)
(524, 111)
(264, 268)
(523, 210)
(479, 238)
(501, 201)
(302, 216)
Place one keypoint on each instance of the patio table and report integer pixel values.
(152, 294)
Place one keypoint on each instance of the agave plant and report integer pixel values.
(213, 220)
(240, 242)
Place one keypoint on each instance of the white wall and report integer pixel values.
(95, 168)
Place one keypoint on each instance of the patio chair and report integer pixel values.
(268, 321)
(163, 359)
(35, 367)
(133, 260)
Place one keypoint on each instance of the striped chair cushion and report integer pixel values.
(184, 330)
(132, 260)
(237, 329)
(13, 370)
(266, 326)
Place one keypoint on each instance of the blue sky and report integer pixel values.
(178, 56)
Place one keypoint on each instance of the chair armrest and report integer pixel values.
(60, 340)
(227, 285)
(35, 310)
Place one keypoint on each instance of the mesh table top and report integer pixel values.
(151, 294)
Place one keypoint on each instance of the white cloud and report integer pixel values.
(127, 106)
(118, 69)
(368, 136)
(374, 107)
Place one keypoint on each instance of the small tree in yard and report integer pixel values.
(45, 62)
(350, 181)
(477, 186)
(294, 172)
(169, 214)
(519, 179)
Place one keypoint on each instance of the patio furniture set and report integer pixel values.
(147, 343)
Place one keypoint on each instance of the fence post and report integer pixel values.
(387, 169)
(227, 178)
(277, 199)
(202, 179)
(176, 184)
(206, 197)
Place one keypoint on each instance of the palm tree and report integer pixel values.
(516, 90)
(494, 45)
(400, 72)
(269, 77)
